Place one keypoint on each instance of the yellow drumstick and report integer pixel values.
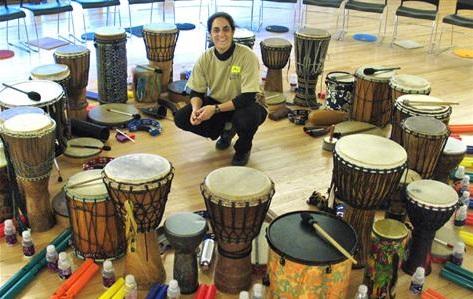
(84, 182)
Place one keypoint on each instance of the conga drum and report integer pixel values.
(403, 110)
(6, 206)
(185, 232)
(29, 139)
(138, 185)
(97, 232)
(275, 53)
(237, 199)
(302, 264)
(110, 45)
(424, 139)
(77, 58)
(146, 84)
(408, 84)
(372, 99)
(397, 201)
(310, 49)
(160, 42)
(452, 154)
(429, 205)
(384, 259)
(52, 102)
(366, 171)
(340, 86)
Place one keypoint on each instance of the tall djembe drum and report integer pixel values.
(160, 42)
(275, 53)
(29, 139)
(310, 47)
(138, 185)
(6, 206)
(237, 199)
(366, 171)
(110, 44)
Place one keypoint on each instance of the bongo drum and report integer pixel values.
(52, 102)
(429, 205)
(310, 47)
(77, 58)
(185, 232)
(275, 53)
(397, 201)
(6, 206)
(402, 111)
(102, 116)
(408, 84)
(302, 264)
(384, 259)
(160, 41)
(366, 171)
(146, 84)
(340, 86)
(110, 45)
(138, 185)
(453, 153)
(24, 135)
(92, 147)
(424, 139)
(237, 200)
(372, 98)
(97, 232)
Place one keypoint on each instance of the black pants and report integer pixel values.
(245, 122)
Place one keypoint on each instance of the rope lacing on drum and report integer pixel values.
(131, 227)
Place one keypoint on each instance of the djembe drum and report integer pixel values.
(29, 139)
(397, 201)
(110, 45)
(403, 110)
(453, 153)
(424, 139)
(160, 41)
(58, 73)
(408, 84)
(237, 199)
(384, 259)
(138, 185)
(52, 102)
(146, 84)
(275, 53)
(77, 58)
(185, 232)
(340, 86)
(429, 205)
(6, 207)
(310, 47)
(97, 232)
(366, 171)
(312, 268)
(372, 98)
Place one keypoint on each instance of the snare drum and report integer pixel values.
(24, 135)
(138, 185)
(424, 139)
(237, 199)
(402, 111)
(385, 257)
(146, 84)
(110, 44)
(408, 84)
(366, 171)
(372, 99)
(453, 153)
(397, 201)
(340, 86)
(302, 265)
(97, 232)
(160, 43)
(310, 49)
(52, 101)
(102, 115)
(77, 58)
(429, 205)
(275, 53)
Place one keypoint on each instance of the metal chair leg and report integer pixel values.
(396, 21)
(129, 14)
(151, 13)
(434, 23)
(174, 11)
(164, 12)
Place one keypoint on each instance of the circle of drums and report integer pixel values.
(115, 211)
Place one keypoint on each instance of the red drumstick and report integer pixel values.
(82, 281)
(468, 128)
(71, 280)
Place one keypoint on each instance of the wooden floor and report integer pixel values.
(292, 159)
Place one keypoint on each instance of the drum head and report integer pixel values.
(234, 184)
(29, 124)
(276, 42)
(137, 168)
(50, 92)
(91, 191)
(312, 33)
(53, 72)
(381, 77)
(185, 224)
(449, 235)
(9, 113)
(452, 147)
(432, 193)
(425, 125)
(110, 33)
(160, 28)
(77, 152)
(370, 151)
(102, 116)
(342, 77)
(409, 176)
(390, 229)
(298, 242)
(71, 50)
(410, 84)
(419, 108)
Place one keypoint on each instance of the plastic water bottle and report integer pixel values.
(362, 292)
(258, 291)
(458, 179)
(28, 246)
(244, 295)
(64, 266)
(417, 281)
(465, 198)
(458, 253)
(52, 257)
(466, 183)
(293, 82)
(174, 291)
(108, 274)
(10, 232)
(131, 289)
(460, 215)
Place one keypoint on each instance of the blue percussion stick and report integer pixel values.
(153, 291)
(455, 278)
(468, 275)
(162, 292)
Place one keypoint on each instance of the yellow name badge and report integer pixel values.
(235, 69)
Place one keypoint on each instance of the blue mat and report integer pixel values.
(364, 37)
(277, 29)
(88, 36)
(185, 26)
(135, 30)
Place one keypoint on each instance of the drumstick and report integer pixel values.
(371, 70)
(32, 95)
(104, 148)
(113, 289)
(428, 103)
(126, 136)
(443, 243)
(84, 182)
(135, 115)
(59, 177)
(307, 219)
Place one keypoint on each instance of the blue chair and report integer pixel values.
(371, 7)
(337, 4)
(93, 4)
(261, 16)
(458, 20)
(10, 14)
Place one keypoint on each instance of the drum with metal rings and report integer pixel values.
(452, 155)
(408, 84)
(275, 53)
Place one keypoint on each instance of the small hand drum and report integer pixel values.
(109, 114)
(453, 153)
(83, 152)
(275, 53)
